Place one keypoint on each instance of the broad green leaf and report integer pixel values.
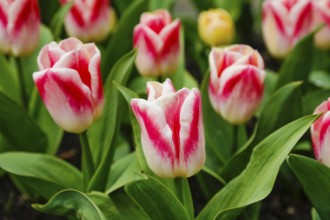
(103, 132)
(273, 116)
(9, 80)
(71, 203)
(56, 24)
(298, 64)
(122, 172)
(19, 128)
(314, 98)
(139, 83)
(43, 167)
(315, 215)
(156, 4)
(121, 5)
(320, 79)
(259, 174)
(29, 63)
(315, 179)
(105, 204)
(127, 208)
(234, 7)
(189, 81)
(124, 33)
(158, 201)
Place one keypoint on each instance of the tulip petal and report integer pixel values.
(156, 89)
(66, 97)
(156, 137)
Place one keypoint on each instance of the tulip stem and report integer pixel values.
(184, 195)
(87, 164)
(21, 82)
(235, 139)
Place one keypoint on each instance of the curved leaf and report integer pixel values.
(44, 167)
(315, 179)
(158, 201)
(257, 180)
(71, 203)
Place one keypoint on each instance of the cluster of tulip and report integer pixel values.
(175, 129)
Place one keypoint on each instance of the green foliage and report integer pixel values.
(260, 173)
(315, 179)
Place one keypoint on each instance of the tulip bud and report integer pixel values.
(157, 39)
(284, 23)
(172, 130)
(321, 15)
(216, 27)
(236, 82)
(19, 26)
(88, 20)
(69, 82)
(320, 133)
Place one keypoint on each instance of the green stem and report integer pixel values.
(235, 139)
(184, 195)
(87, 164)
(21, 82)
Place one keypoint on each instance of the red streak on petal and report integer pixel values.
(29, 9)
(159, 143)
(323, 132)
(305, 18)
(80, 63)
(171, 41)
(77, 15)
(98, 6)
(278, 20)
(141, 35)
(192, 142)
(3, 17)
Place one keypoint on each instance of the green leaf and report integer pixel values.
(156, 4)
(71, 203)
(298, 64)
(234, 7)
(43, 167)
(315, 215)
(204, 5)
(158, 201)
(273, 116)
(122, 172)
(8, 80)
(178, 76)
(105, 204)
(124, 33)
(127, 208)
(259, 174)
(315, 179)
(103, 132)
(320, 79)
(20, 129)
(312, 99)
(189, 81)
(56, 24)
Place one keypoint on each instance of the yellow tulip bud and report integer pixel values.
(216, 27)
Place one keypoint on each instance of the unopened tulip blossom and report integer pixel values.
(19, 26)
(88, 20)
(172, 131)
(284, 23)
(320, 132)
(321, 15)
(157, 39)
(236, 84)
(69, 82)
(216, 27)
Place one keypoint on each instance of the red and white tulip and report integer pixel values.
(284, 23)
(88, 20)
(157, 39)
(19, 26)
(320, 132)
(321, 14)
(236, 84)
(69, 82)
(172, 130)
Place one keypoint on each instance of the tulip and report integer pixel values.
(88, 20)
(322, 16)
(320, 133)
(172, 131)
(236, 82)
(216, 27)
(19, 26)
(69, 83)
(157, 39)
(284, 23)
